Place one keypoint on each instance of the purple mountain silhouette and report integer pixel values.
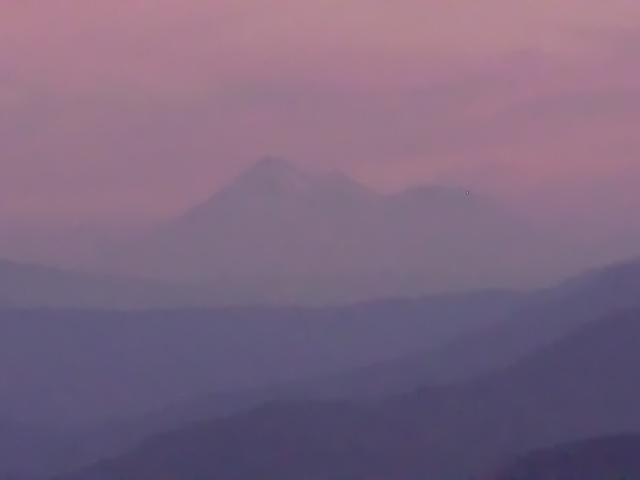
(277, 221)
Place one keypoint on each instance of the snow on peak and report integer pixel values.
(272, 178)
(278, 173)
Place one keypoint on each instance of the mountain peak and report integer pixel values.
(276, 174)
(270, 164)
(275, 179)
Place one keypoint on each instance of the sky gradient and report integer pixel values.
(125, 109)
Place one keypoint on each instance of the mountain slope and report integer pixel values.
(75, 366)
(278, 223)
(582, 386)
(531, 321)
(542, 318)
(126, 375)
(547, 316)
(535, 320)
(606, 458)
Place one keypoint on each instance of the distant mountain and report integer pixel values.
(80, 366)
(324, 235)
(112, 378)
(582, 386)
(297, 353)
(391, 328)
(541, 318)
(546, 316)
(606, 458)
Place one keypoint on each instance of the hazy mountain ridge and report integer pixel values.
(581, 386)
(547, 316)
(467, 334)
(543, 317)
(277, 220)
(282, 235)
(605, 458)
(511, 326)
(83, 364)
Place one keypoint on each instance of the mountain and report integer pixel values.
(82, 366)
(545, 317)
(581, 386)
(391, 350)
(103, 380)
(541, 318)
(325, 236)
(606, 458)
(387, 348)
(504, 326)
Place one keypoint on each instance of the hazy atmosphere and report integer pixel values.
(319, 240)
(119, 112)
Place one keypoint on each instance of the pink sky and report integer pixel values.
(120, 107)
